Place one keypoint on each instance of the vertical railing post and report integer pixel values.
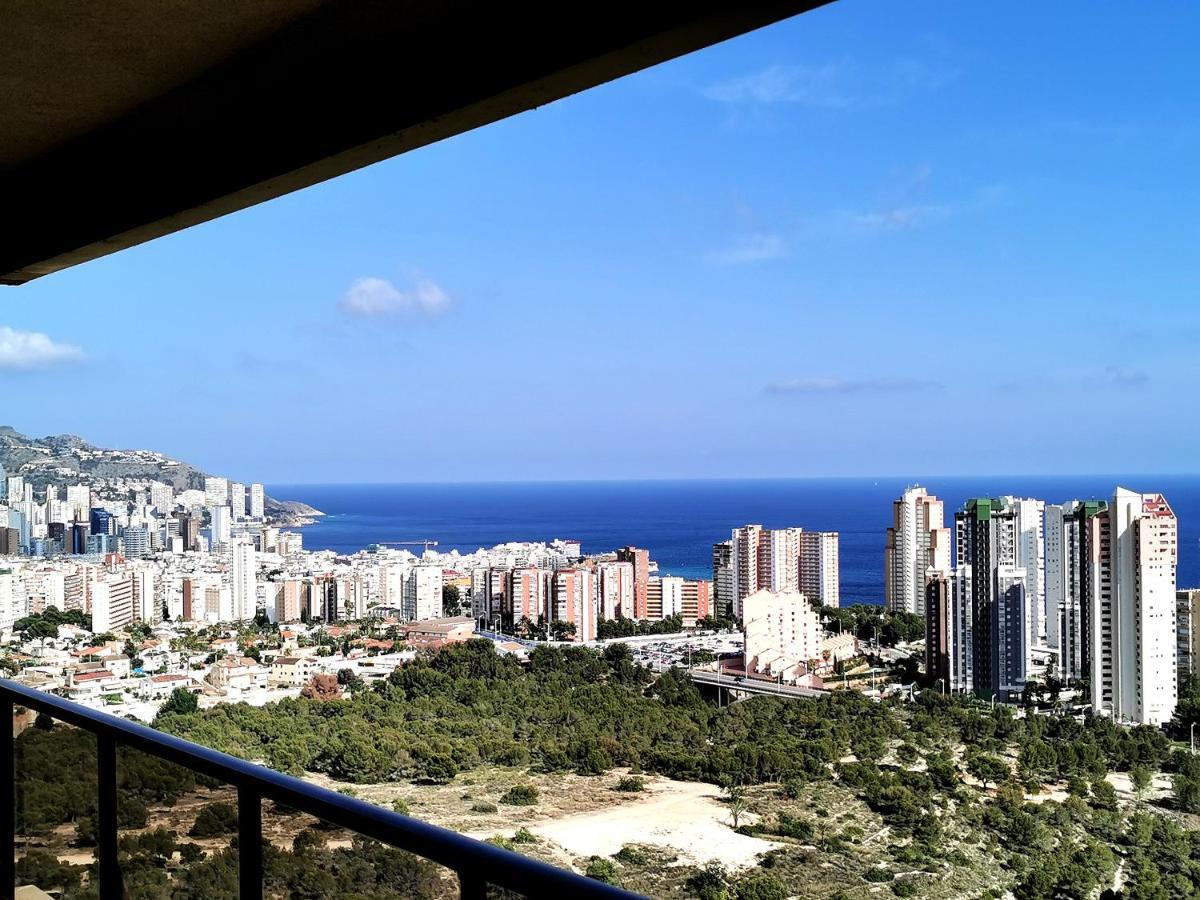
(472, 886)
(8, 801)
(106, 818)
(250, 870)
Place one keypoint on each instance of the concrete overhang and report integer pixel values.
(125, 120)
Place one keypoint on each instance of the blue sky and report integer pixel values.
(880, 238)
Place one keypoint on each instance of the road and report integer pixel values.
(753, 685)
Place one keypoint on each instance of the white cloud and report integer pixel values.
(898, 217)
(818, 385)
(751, 248)
(377, 297)
(815, 86)
(25, 351)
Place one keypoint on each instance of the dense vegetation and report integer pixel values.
(950, 780)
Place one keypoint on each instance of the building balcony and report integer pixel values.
(433, 862)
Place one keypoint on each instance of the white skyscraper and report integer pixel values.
(1031, 556)
(112, 603)
(1132, 610)
(219, 525)
(237, 500)
(918, 543)
(216, 491)
(257, 502)
(79, 498)
(423, 593)
(162, 497)
(243, 579)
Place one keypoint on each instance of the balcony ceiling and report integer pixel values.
(124, 120)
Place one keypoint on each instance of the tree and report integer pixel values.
(735, 796)
(987, 769)
(1140, 780)
(215, 819)
(322, 687)
(179, 703)
(451, 601)
(348, 678)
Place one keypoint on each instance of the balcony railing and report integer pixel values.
(477, 864)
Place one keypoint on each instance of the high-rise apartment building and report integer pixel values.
(641, 577)
(257, 502)
(219, 526)
(423, 593)
(573, 601)
(991, 587)
(1132, 621)
(782, 559)
(917, 544)
(939, 630)
(1187, 633)
(722, 578)
(819, 578)
(697, 601)
(526, 595)
(79, 499)
(237, 500)
(243, 571)
(616, 590)
(162, 497)
(216, 491)
(1072, 559)
(1031, 556)
(112, 603)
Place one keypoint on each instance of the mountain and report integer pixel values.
(68, 459)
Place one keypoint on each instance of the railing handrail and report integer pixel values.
(467, 856)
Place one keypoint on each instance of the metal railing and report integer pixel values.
(477, 864)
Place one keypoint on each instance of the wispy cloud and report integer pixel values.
(834, 85)
(826, 385)
(751, 248)
(27, 351)
(814, 86)
(1110, 377)
(908, 209)
(373, 297)
(897, 218)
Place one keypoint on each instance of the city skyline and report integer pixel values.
(808, 230)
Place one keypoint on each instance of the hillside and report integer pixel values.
(68, 459)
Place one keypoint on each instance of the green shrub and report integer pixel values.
(633, 784)
(484, 806)
(401, 806)
(525, 836)
(905, 887)
(760, 886)
(215, 819)
(629, 855)
(602, 869)
(520, 795)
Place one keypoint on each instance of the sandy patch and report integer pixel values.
(686, 817)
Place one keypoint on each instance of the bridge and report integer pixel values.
(751, 685)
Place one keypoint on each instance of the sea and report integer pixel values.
(678, 521)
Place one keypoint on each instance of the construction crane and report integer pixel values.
(424, 544)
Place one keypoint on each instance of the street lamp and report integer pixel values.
(1193, 736)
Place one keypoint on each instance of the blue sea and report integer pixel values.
(678, 521)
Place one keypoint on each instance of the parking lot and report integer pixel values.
(661, 652)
